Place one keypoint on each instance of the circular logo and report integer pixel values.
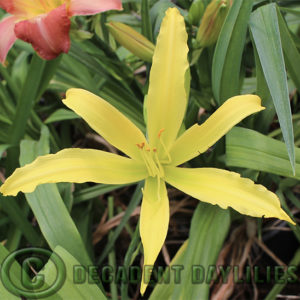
(33, 259)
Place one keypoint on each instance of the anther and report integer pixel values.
(160, 132)
(141, 145)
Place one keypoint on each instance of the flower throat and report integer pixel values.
(151, 159)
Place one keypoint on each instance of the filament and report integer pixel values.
(161, 170)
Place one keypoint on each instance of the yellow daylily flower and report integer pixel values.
(155, 159)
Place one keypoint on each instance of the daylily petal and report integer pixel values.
(227, 188)
(92, 7)
(48, 34)
(105, 119)
(154, 222)
(74, 165)
(167, 99)
(7, 36)
(7, 5)
(198, 138)
(27, 9)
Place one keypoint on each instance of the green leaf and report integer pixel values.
(278, 287)
(265, 30)
(20, 68)
(209, 222)
(249, 149)
(3, 148)
(264, 119)
(291, 54)
(38, 76)
(48, 207)
(71, 290)
(76, 70)
(95, 191)
(164, 291)
(157, 13)
(49, 70)
(131, 253)
(229, 49)
(135, 200)
(12, 86)
(61, 115)
(18, 217)
(15, 275)
(146, 22)
(26, 99)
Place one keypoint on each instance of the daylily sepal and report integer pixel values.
(74, 165)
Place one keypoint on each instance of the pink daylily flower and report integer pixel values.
(45, 23)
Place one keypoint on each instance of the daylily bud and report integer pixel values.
(195, 12)
(80, 35)
(132, 40)
(212, 22)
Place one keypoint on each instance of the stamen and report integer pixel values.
(148, 164)
(141, 145)
(161, 170)
(160, 132)
(151, 160)
(146, 160)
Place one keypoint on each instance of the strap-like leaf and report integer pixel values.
(228, 52)
(249, 149)
(265, 30)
